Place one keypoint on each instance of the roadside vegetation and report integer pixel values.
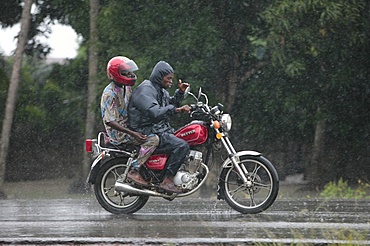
(341, 189)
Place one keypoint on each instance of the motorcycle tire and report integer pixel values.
(111, 200)
(254, 196)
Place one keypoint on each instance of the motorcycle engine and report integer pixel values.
(186, 177)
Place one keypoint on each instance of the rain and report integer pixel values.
(293, 75)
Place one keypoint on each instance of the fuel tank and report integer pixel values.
(195, 133)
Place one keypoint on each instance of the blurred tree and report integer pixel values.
(46, 12)
(91, 88)
(13, 88)
(48, 126)
(319, 44)
(205, 41)
(10, 13)
(320, 66)
(218, 45)
(4, 83)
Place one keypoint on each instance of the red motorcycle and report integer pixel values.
(248, 182)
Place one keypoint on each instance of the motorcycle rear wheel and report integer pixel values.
(251, 198)
(111, 200)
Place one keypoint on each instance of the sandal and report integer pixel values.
(135, 177)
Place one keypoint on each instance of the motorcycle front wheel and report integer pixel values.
(260, 190)
(111, 200)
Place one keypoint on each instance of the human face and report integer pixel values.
(167, 81)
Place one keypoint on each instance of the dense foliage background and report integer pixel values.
(293, 74)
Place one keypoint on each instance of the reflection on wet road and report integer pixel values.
(183, 221)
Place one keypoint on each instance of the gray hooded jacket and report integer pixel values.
(151, 106)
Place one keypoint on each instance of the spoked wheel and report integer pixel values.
(111, 200)
(255, 195)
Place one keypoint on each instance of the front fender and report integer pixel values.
(241, 153)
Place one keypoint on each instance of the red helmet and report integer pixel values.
(120, 69)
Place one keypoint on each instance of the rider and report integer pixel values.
(149, 110)
(114, 102)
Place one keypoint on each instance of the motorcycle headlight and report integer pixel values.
(226, 122)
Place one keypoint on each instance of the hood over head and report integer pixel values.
(160, 70)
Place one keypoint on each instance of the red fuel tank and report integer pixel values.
(194, 133)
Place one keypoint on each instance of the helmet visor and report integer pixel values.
(127, 67)
(128, 74)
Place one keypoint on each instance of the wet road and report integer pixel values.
(183, 221)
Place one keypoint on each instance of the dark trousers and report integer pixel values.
(176, 148)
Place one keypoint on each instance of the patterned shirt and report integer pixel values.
(114, 102)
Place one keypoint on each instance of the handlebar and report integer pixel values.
(203, 107)
(193, 107)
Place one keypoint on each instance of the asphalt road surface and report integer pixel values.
(186, 221)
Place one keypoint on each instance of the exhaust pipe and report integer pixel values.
(121, 187)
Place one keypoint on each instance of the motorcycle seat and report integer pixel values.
(105, 143)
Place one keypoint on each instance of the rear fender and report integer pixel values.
(94, 169)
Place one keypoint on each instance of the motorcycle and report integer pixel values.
(247, 181)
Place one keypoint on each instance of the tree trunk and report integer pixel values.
(315, 171)
(235, 81)
(92, 83)
(13, 89)
(91, 92)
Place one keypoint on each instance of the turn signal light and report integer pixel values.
(216, 124)
(88, 145)
(219, 135)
